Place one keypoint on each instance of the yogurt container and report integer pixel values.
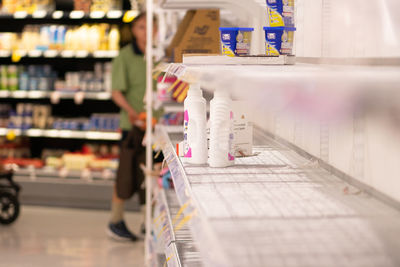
(280, 13)
(235, 41)
(228, 40)
(279, 40)
(243, 41)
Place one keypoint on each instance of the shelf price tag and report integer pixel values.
(76, 14)
(34, 53)
(81, 54)
(86, 175)
(58, 14)
(39, 14)
(55, 97)
(67, 53)
(50, 53)
(114, 14)
(20, 14)
(5, 53)
(97, 14)
(79, 97)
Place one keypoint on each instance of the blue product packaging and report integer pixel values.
(228, 40)
(280, 13)
(33, 83)
(279, 40)
(23, 81)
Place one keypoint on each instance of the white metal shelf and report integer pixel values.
(51, 133)
(60, 54)
(58, 15)
(48, 94)
(47, 174)
(278, 208)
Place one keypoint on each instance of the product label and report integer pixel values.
(187, 151)
(228, 42)
(243, 41)
(280, 13)
(279, 42)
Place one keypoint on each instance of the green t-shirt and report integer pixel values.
(129, 77)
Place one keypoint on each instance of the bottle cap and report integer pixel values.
(194, 90)
(221, 93)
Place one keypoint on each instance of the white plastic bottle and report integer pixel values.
(221, 131)
(194, 126)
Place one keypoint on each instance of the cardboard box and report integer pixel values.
(198, 33)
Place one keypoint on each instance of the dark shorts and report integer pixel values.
(130, 177)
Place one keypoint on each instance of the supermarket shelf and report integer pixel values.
(240, 60)
(67, 54)
(46, 188)
(68, 134)
(178, 245)
(58, 94)
(58, 15)
(67, 176)
(280, 209)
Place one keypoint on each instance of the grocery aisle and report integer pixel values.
(45, 236)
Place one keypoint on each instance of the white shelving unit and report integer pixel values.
(60, 54)
(278, 208)
(52, 94)
(90, 135)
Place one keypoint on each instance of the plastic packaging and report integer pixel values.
(243, 41)
(195, 139)
(280, 13)
(235, 41)
(279, 40)
(221, 131)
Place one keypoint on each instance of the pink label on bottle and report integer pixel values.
(188, 154)
(231, 115)
(186, 116)
(230, 157)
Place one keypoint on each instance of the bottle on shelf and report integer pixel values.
(195, 138)
(221, 131)
(113, 39)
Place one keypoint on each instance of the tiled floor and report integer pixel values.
(59, 237)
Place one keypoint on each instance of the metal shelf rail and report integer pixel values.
(67, 134)
(171, 234)
(278, 208)
(52, 94)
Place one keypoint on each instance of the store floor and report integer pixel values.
(45, 237)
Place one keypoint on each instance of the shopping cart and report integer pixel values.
(9, 204)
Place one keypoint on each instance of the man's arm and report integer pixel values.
(120, 100)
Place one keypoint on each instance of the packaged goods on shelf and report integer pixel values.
(87, 81)
(44, 78)
(194, 130)
(235, 41)
(172, 118)
(105, 5)
(221, 152)
(88, 37)
(196, 34)
(17, 148)
(12, 6)
(92, 156)
(37, 116)
(279, 40)
(280, 13)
